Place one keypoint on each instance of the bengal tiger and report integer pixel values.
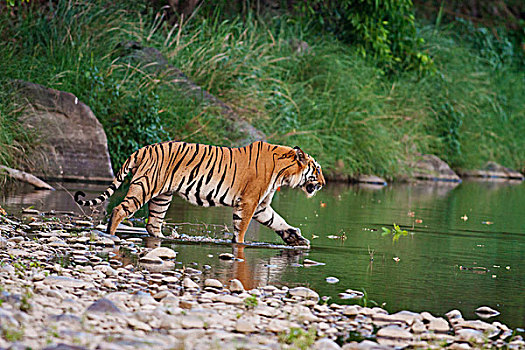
(244, 178)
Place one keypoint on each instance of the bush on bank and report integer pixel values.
(298, 84)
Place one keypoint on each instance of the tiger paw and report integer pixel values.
(292, 236)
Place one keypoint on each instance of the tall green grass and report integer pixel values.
(325, 98)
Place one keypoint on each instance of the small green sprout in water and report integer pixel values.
(298, 338)
(251, 302)
(365, 301)
(396, 232)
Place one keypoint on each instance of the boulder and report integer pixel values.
(72, 141)
(370, 179)
(493, 171)
(428, 167)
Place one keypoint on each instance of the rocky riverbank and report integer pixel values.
(64, 287)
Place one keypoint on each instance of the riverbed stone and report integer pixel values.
(236, 286)
(211, 282)
(394, 332)
(189, 284)
(66, 282)
(229, 299)
(438, 325)
(326, 344)
(246, 324)
(104, 306)
(471, 336)
(304, 292)
(162, 253)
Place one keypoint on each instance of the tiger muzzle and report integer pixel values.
(312, 187)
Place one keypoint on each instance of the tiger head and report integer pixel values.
(311, 176)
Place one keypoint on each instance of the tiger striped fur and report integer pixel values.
(244, 178)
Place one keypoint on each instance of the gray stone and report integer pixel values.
(210, 282)
(229, 299)
(470, 335)
(326, 344)
(454, 315)
(430, 167)
(72, 141)
(226, 256)
(394, 332)
(304, 292)
(351, 310)
(246, 324)
(236, 286)
(63, 346)
(370, 179)
(277, 326)
(104, 306)
(493, 171)
(66, 282)
(153, 260)
(438, 325)
(486, 312)
(189, 284)
(191, 322)
(162, 253)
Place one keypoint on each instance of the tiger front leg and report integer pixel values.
(269, 218)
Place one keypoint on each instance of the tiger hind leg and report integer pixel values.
(242, 215)
(134, 200)
(158, 206)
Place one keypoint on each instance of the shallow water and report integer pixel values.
(445, 262)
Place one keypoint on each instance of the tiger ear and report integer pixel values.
(299, 155)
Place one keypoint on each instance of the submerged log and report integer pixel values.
(25, 177)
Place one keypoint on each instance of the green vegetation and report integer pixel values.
(251, 302)
(298, 338)
(396, 232)
(367, 106)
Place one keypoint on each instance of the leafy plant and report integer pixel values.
(11, 335)
(385, 30)
(396, 232)
(251, 302)
(130, 118)
(298, 337)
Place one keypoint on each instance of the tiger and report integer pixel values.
(245, 178)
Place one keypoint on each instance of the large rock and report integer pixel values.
(72, 141)
(428, 167)
(492, 171)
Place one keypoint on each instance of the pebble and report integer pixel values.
(236, 286)
(210, 282)
(226, 256)
(332, 280)
(162, 253)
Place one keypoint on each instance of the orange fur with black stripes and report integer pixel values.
(244, 178)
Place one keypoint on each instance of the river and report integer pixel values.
(465, 246)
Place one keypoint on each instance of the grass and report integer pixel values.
(326, 98)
